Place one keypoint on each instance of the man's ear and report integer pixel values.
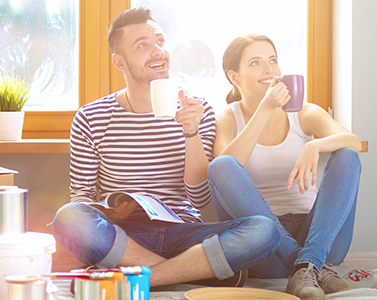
(117, 61)
(232, 75)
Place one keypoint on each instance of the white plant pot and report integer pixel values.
(11, 124)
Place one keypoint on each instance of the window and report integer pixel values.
(198, 33)
(97, 76)
(38, 41)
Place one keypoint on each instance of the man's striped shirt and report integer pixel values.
(113, 149)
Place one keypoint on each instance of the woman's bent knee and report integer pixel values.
(220, 163)
(347, 155)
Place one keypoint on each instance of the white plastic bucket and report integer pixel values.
(25, 254)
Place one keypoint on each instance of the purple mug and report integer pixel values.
(295, 85)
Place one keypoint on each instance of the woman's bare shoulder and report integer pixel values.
(225, 114)
(225, 119)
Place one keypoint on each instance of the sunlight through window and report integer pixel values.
(198, 32)
(38, 41)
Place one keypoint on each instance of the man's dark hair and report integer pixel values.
(131, 16)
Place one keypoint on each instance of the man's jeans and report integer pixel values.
(322, 236)
(230, 246)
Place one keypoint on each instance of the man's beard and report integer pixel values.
(140, 75)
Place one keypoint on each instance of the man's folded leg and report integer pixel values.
(213, 250)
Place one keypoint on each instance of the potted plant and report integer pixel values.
(14, 92)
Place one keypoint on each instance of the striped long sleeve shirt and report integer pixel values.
(116, 150)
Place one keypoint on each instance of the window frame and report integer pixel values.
(319, 68)
(98, 77)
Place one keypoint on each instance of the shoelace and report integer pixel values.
(326, 273)
(310, 278)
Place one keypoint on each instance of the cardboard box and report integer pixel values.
(7, 176)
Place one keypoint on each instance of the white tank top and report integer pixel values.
(270, 166)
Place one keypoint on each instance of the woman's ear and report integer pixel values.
(232, 75)
(117, 61)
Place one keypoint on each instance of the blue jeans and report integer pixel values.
(322, 236)
(230, 246)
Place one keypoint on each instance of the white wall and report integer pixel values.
(355, 101)
(342, 62)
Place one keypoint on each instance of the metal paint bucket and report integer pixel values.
(134, 286)
(21, 287)
(97, 289)
(13, 210)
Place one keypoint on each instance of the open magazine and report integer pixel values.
(154, 208)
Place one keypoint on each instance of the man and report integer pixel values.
(118, 145)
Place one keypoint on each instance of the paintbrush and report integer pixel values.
(124, 270)
(117, 276)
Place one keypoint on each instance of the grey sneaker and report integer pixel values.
(331, 282)
(304, 284)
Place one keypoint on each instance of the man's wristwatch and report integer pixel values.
(189, 135)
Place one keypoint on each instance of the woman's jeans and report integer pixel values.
(230, 246)
(322, 236)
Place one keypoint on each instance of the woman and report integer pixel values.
(266, 164)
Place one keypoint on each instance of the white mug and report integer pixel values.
(164, 97)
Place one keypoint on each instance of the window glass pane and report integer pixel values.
(198, 32)
(38, 41)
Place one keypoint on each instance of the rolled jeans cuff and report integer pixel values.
(117, 250)
(216, 257)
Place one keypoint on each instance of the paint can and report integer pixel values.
(21, 287)
(13, 210)
(133, 286)
(136, 284)
(97, 289)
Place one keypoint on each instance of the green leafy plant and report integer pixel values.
(14, 92)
